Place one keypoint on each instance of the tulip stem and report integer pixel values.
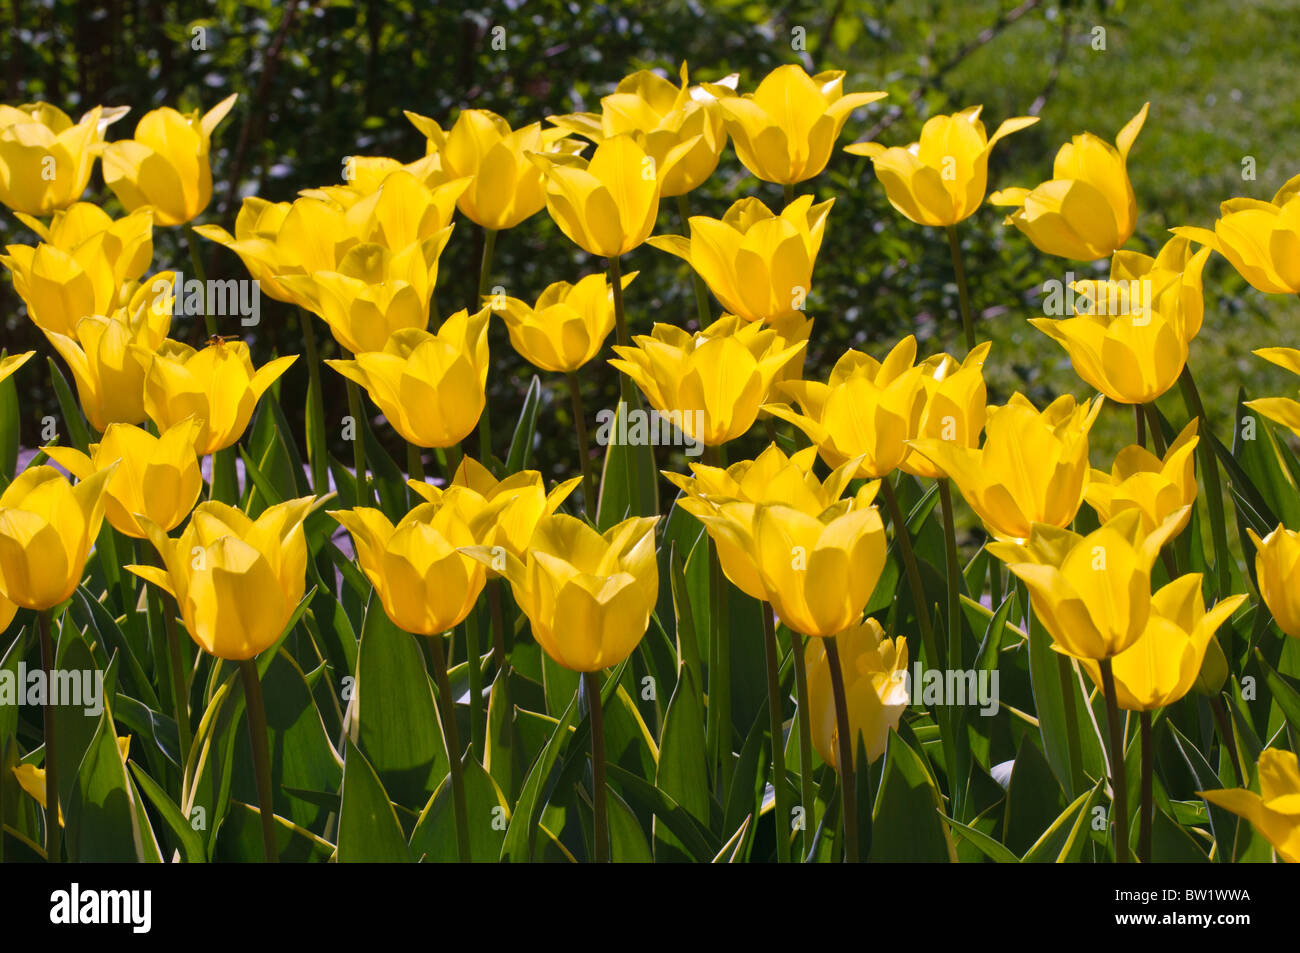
(180, 689)
(963, 292)
(1146, 816)
(1118, 781)
(806, 790)
(414, 462)
(200, 273)
(904, 542)
(52, 828)
(451, 742)
(452, 457)
(600, 822)
(584, 449)
(484, 276)
(316, 451)
(788, 193)
(952, 568)
(1210, 468)
(1139, 415)
(776, 721)
(358, 444)
(1157, 435)
(719, 732)
(701, 292)
(257, 735)
(498, 624)
(844, 741)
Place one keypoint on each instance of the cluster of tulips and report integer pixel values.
(820, 529)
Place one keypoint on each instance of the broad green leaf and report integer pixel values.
(369, 831)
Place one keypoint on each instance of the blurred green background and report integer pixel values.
(319, 81)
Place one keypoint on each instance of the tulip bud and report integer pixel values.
(46, 160)
(1277, 570)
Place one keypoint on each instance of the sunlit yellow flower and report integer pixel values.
(941, 179)
(46, 160)
(9, 365)
(364, 175)
(1281, 410)
(1142, 481)
(1277, 570)
(1087, 210)
(1175, 278)
(567, 326)
(1273, 812)
(1260, 239)
(875, 690)
(955, 406)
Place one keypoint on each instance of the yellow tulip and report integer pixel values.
(1087, 210)
(867, 409)
(1281, 410)
(785, 130)
(1162, 665)
(32, 779)
(7, 612)
(1260, 239)
(505, 187)
(431, 387)
(607, 206)
(166, 164)
(711, 384)
(426, 585)
(587, 595)
(791, 329)
(1273, 812)
(157, 478)
(875, 690)
(10, 364)
(46, 160)
(364, 175)
(759, 265)
(237, 580)
(1092, 593)
(567, 326)
(47, 527)
(1142, 481)
(1277, 570)
(216, 385)
(955, 406)
(1032, 468)
(1174, 274)
(661, 116)
(940, 179)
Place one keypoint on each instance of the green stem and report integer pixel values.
(1118, 781)
(316, 451)
(484, 277)
(1139, 416)
(451, 741)
(498, 625)
(600, 820)
(1157, 433)
(1213, 490)
(719, 728)
(952, 568)
(1146, 815)
(776, 720)
(415, 462)
(452, 457)
(788, 192)
(196, 262)
(256, 708)
(52, 828)
(474, 662)
(701, 290)
(963, 292)
(364, 497)
(584, 448)
(904, 542)
(175, 662)
(848, 782)
(806, 790)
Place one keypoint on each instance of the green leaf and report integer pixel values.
(627, 843)
(369, 831)
(487, 813)
(518, 845)
(1033, 798)
(683, 773)
(987, 845)
(521, 444)
(78, 432)
(10, 426)
(1065, 837)
(908, 818)
(103, 823)
(188, 841)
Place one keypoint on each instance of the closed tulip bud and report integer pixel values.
(1260, 239)
(166, 165)
(1277, 571)
(1175, 274)
(867, 410)
(785, 130)
(587, 595)
(711, 384)
(431, 387)
(940, 179)
(217, 385)
(567, 326)
(1087, 210)
(425, 583)
(46, 160)
(505, 187)
(237, 580)
(955, 406)
(9, 365)
(158, 477)
(1214, 671)
(759, 265)
(1272, 812)
(1092, 593)
(875, 690)
(1163, 664)
(47, 527)
(1142, 481)
(1032, 468)
(607, 206)
(1282, 410)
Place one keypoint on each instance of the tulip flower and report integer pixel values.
(10, 364)
(1174, 274)
(1142, 481)
(875, 690)
(867, 409)
(364, 175)
(587, 595)
(712, 383)
(955, 406)
(46, 160)
(156, 477)
(607, 206)
(237, 580)
(1163, 664)
(1087, 210)
(1260, 239)
(567, 326)
(661, 116)
(166, 164)
(1032, 468)
(1281, 410)
(1092, 593)
(759, 265)
(941, 179)
(785, 130)
(47, 527)
(1277, 570)
(431, 387)
(426, 584)
(505, 186)
(218, 385)
(1272, 812)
